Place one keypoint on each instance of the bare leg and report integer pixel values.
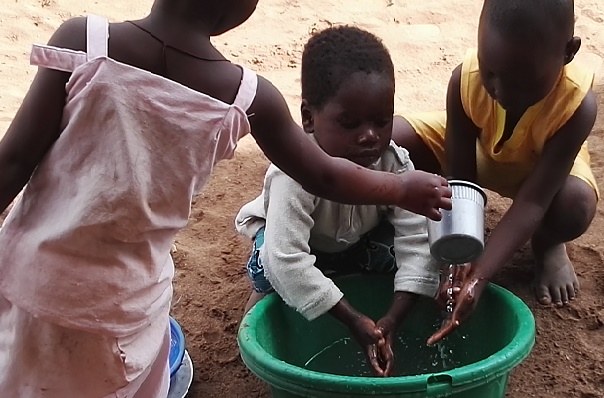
(422, 157)
(254, 298)
(568, 217)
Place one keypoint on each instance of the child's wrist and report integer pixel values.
(401, 303)
(345, 313)
(479, 283)
(388, 323)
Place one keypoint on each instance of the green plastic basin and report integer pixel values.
(298, 358)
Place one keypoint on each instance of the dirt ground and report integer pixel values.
(427, 38)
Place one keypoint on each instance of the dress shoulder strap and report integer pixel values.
(247, 89)
(61, 59)
(97, 37)
(67, 60)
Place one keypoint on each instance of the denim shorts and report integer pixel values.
(255, 271)
(373, 253)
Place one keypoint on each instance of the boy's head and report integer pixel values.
(523, 46)
(348, 93)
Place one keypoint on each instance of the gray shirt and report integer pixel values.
(296, 221)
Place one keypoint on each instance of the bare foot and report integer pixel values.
(555, 279)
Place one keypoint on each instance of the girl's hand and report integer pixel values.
(425, 194)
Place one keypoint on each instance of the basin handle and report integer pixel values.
(439, 385)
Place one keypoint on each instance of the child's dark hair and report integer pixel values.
(537, 21)
(335, 53)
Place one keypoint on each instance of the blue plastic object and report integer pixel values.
(177, 347)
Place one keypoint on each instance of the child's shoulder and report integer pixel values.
(470, 59)
(71, 34)
(395, 159)
(579, 75)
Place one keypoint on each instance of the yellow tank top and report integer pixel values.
(504, 168)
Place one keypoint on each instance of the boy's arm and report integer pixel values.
(36, 126)
(417, 272)
(388, 325)
(288, 263)
(400, 306)
(337, 179)
(291, 270)
(461, 134)
(366, 332)
(537, 192)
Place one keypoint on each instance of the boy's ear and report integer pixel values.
(572, 47)
(308, 123)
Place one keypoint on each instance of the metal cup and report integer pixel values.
(459, 236)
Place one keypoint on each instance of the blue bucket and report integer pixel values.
(177, 347)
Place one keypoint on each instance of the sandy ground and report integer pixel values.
(427, 38)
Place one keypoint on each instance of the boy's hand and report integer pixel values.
(425, 194)
(401, 303)
(367, 334)
(465, 300)
(385, 352)
(460, 273)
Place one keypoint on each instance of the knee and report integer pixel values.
(577, 221)
(572, 209)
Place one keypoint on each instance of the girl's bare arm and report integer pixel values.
(337, 179)
(36, 125)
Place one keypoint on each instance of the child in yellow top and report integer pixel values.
(518, 116)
